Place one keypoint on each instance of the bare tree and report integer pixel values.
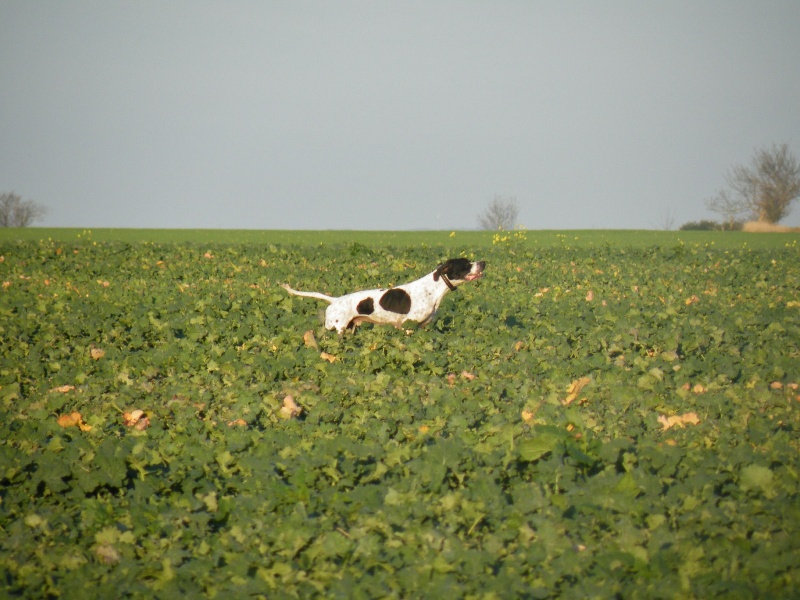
(667, 222)
(765, 189)
(15, 212)
(500, 214)
(729, 206)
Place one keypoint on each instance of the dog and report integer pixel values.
(415, 301)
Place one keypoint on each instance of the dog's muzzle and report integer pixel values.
(477, 272)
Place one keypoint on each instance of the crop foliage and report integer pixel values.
(586, 421)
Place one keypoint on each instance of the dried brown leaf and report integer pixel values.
(678, 420)
(63, 389)
(290, 408)
(74, 419)
(574, 388)
(107, 554)
(136, 419)
(309, 340)
(131, 418)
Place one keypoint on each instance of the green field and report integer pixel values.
(604, 414)
(449, 239)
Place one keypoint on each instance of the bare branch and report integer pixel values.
(728, 205)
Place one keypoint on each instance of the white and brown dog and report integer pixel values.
(415, 301)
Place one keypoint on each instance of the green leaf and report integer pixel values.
(544, 439)
(758, 478)
(110, 462)
(52, 470)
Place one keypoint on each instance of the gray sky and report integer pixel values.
(389, 115)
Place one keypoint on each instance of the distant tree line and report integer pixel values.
(16, 212)
(709, 225)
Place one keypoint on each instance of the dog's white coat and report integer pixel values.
(425, 295)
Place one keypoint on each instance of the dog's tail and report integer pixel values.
(316, 295)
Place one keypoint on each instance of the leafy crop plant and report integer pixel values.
(590, 421)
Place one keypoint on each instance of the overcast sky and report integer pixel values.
(389, 115)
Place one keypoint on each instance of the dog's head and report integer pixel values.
(459, 270)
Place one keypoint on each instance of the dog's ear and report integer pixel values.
(438, 272)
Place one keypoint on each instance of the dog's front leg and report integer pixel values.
(429, 319)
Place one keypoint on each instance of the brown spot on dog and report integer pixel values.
(366, 307)
(396, 300)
